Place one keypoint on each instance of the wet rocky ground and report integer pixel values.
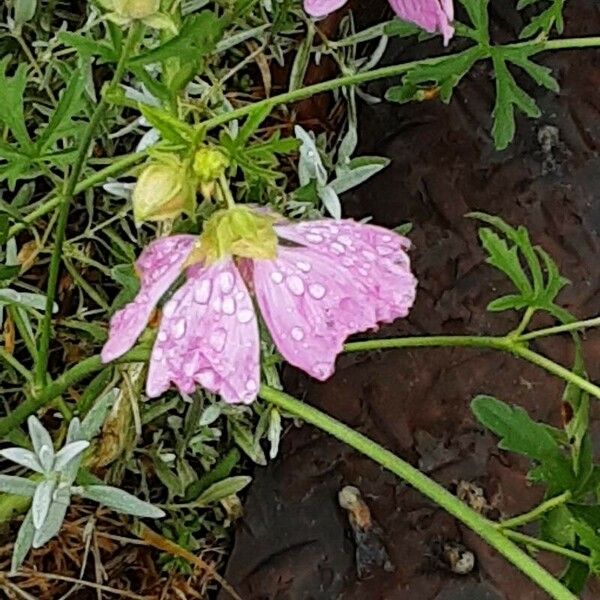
(295, 541)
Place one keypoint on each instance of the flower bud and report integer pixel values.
(238, 231)
(209, 165)
(136, 9)
(163, 191)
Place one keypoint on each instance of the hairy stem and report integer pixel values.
(529, 540)
(64, 204)
(480, 525)
(374, 74)
(536, 513)
(566, 328)
(124, 163)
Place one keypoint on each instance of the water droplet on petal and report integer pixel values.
(170, 308)
(229, 305)
(179, 329)
(298, 334)
(316, 290)
(245, 315)
(384, 250)
(206, 379)
(368, 255)
(226, 281)
(315, 238)
(295, 285)
(217, 339)
(277, 277)
(386, 238)
(251, 385)
(189, 369)
(337, 248)
(322, 370)
(162, 336)
(345, 239)
(303, 266)
(347, 261)
(202, 291)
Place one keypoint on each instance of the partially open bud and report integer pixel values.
(163, 191)
(238, 231)
(209, 165)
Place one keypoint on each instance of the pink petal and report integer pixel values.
(208, 335)
(431, 15)
(159, 265)
(372, 255)
(322, 8)
(310, 307)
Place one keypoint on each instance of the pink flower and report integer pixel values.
(431, 15)
(329, 279)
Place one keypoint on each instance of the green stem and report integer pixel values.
(374, 74)
(567, 327)
(125, 162)
(555, 369)
(65, 202)
(54, 389)
(536, 513)
(439, 341)
(9, 359)
(480, 525)
(117, 167)
(548, 546)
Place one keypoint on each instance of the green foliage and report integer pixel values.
(519, 433)
(530, 269)
(424, 82)
(543, 23)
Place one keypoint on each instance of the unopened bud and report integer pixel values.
(163, 191)
(136, 9)
(209, 164)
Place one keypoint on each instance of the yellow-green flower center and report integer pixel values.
(238, 231)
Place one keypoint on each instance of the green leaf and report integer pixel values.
(508, 95)
(301, 60)
(575, 576)
(478, 15)
(544, 21)
(541, 75)
(505, 259)
(19, 486)
(23, 543)
(222, 489)
(120, 500)
(70, 103)
(87, 47)
(197, 38)
(171, 128)
(557, 527)
(443, 77)
(543, 283)
(520, 434)
(12, 93)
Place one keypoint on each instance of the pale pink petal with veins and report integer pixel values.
(431, 15)
(208, 336)
(310, 307)
(158, 266)
(372, 255)
(322, 8)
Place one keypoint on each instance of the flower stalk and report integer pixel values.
(64, 203)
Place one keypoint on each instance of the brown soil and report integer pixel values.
(295, 541)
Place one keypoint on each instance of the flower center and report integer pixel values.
(238, 231)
